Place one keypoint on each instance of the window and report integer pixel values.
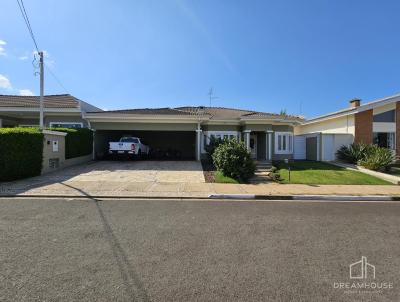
(217, 135)
(385, 117)
(283, 142)
(384, 139)
(66, 125)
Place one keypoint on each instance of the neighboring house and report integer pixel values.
(188, 129)
(61, 110)
(371, 123)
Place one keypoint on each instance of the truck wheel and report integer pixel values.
(139, 153)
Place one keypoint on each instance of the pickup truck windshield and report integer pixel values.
(129, 140)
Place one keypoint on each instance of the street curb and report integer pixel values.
(99, 196)
(221, 196)
(306, 197)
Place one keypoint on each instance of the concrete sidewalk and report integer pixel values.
(181, 189)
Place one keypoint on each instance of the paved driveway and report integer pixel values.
(165, 250)
(127, 171)
(136, 171)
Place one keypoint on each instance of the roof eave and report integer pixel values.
(122, 117)
(268, 121)
(36, 109)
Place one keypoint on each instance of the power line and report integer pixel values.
(56, 78)
(28, 24)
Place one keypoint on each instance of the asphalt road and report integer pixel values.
(165, 250)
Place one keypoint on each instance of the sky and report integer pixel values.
(305, 57)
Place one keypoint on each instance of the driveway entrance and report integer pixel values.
(137, 171)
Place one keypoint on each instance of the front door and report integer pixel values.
(253, 146)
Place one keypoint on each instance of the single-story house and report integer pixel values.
(189, 129)
(62, 110)
(371, 123)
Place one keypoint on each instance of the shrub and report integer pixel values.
(214, 143)
(353, 153)
(233, 160)
(78, 142)
(377, 158)
(21, 153)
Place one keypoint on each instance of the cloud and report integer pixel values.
(5, 82)
(23, 58)
(2, 49)
(25, 92)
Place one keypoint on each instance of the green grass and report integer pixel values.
(319, 173)
(221, 178)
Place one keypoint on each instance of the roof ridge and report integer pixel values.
(216, 107)
(32, 96)
(274, 114)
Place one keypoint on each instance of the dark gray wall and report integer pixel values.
(311, 148)
(261, 145)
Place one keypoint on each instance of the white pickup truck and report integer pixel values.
(128, 145)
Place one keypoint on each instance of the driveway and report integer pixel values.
(166, 178)
(127, 171)
(135, 171)
(166, 250)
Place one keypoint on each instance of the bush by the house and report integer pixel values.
(353, 153)
(233, 160)
(214, 143)
(377, 159)
(78, 142)
(21, 153)
(369, 156)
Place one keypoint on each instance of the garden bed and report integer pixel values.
(211, 175)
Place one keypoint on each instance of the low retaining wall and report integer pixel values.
(77, 160)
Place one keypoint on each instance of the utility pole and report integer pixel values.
(41, 118)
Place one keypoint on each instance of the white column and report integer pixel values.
(198, 143)
(247, 139)
(269, 145)
(266, 146)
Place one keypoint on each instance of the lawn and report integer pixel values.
(309, 172)
(221, 178)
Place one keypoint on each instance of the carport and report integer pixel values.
(170, 133)
(163, 144)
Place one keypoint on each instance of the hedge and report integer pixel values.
(21, 153)
(78, 142)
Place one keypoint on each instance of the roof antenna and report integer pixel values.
(211, 95)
